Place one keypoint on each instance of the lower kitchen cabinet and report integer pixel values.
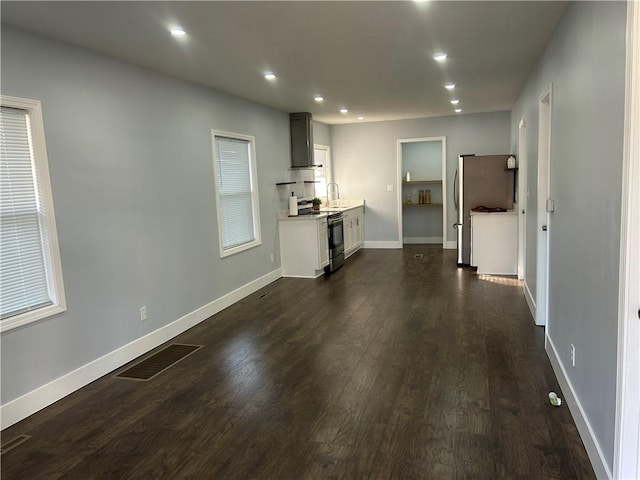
(304, 246)
(494, 242)
(353, 230)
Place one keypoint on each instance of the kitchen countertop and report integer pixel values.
(339, 206)
(508, 212)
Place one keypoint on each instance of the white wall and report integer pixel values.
(585, 62)
(132, 177)
(365, 160)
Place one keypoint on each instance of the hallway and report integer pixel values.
(396, 366)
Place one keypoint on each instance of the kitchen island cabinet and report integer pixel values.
(304, 246)
(494, 242)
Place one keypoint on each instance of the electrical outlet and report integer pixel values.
(389, 188)
(272, 258)
(143, 313)
(573, 355)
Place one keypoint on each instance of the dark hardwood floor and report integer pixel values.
(394, 367)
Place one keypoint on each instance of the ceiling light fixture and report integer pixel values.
(178, 32)
(450, 86)
(455, 101)
(318, 98)
(440, 57)
(270, 76)
(344, 110)
(458, 110)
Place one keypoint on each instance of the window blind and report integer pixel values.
(235, 192)
(23, 275)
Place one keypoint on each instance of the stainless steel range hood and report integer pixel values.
(301, 140)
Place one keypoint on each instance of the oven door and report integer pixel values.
(336, 238)
(336, 243)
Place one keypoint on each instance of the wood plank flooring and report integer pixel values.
(394, 367)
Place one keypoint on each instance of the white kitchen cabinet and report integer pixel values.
(494, 242)
(304, 246)
(353, 230)
(323, 243)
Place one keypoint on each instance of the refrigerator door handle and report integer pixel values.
(455, 190)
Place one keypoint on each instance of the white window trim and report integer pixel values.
(254, 187)
(53, 264)
(327, 165)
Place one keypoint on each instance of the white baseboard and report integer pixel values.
(417, 240)
(451, 245)
(589, 439)
(529, 298)
(29, 403)
(376, 244)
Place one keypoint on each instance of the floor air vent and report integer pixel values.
(13, 443)
(418, 255)
(158, 362)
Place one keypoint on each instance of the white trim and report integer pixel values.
(451, 245)
(529, 298)
(381, 244)
(543, 244)
(29, 403)
(52, 248)
(590, 441)
(522, 197)
(254, 192)
(443, 153)
(626, 463)
(418, 240)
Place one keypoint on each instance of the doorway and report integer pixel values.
(522, 197)
(544, 161)
(627, 442)
(422, 190)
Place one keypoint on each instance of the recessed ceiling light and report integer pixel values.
(450, 86)
(458, 110)
(318, 98)
(440, 57)
(270, 76)
(344, 110)
(178, 32)
(455, 101)
(360, 117)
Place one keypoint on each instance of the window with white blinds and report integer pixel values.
(30, 277)
(236, 192)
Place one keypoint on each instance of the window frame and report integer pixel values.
(328, 171)
(254, 193)
(49, 241)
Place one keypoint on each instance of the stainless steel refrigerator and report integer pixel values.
(480, 180)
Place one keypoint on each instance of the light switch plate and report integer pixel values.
(389, 188)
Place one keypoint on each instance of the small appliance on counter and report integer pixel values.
(305, 206)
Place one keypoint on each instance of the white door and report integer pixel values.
(542, 262)
(627, 443)
(522, 197)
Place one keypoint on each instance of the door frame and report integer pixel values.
(443, 154)
(545, 105)
(522, 198)
(626, 462)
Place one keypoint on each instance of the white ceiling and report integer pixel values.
(375, 58)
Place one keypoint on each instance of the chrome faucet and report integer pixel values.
(336, 193)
